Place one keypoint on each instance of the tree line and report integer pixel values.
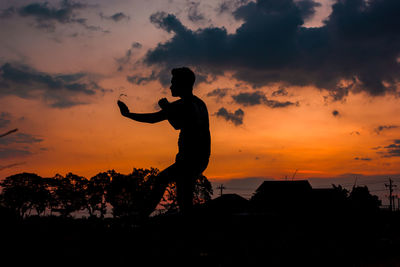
(28, 193)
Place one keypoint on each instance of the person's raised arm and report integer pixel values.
(141, 117)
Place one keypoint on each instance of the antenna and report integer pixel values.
(355, 182)
(294, 174)
(221, 187)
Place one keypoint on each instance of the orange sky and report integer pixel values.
(94, 137)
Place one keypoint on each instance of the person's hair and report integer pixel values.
(184, 75)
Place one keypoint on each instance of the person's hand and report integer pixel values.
(123, 108)
(163, 103)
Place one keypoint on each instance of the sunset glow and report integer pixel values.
(80, 130)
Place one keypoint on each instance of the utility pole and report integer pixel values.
(398, 203)
(294, 174)
(221, 187)
(391, 199)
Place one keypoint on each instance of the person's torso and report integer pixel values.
(194, 139)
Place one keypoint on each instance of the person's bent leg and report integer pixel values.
(185, 191)
(161, 182)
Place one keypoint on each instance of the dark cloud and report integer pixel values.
(5, 119)
(20, 138)
(11, 165)
(47, 16)
(257, 98)
(13, 152)
(235, 117)
(250, 99)
(123, 61)
(392, 150)
(136, 45)
(56, 90)
(363, 159)
(7, 13)
(116, 17)
(228, 6)
(194, 14)
(335, 113)
(139, 79)
(280, 92)
(356, 50)
(307, 8)
(381, 128)
(219, 93)
(355, 132)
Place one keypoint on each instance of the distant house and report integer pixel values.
(327, 199)
(282, 196)
(228, 204)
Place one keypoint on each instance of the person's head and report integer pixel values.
(182, 81)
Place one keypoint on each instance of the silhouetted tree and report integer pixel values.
(23, 192)
(51, 186)
(41, 196)
(96, 191)
(343, 192)
(169, 201)
(129, 194)
(202, 193)
(70, 193)
(361, 199)
(202, 190)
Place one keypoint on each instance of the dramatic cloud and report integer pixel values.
(4, 119)
(58, 91)
(219, 93)
(235, 117)
(257, 98)
(356, 50)
(116, 17)
(46, 16)
(381, 128)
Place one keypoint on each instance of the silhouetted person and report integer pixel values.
(189, 115)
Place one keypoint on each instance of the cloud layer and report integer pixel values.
(392, 150)
(4, 119)
(355, 50)
(47, 16)
(381, 128)
(59, 91)
(258, 98)
(235, 117)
